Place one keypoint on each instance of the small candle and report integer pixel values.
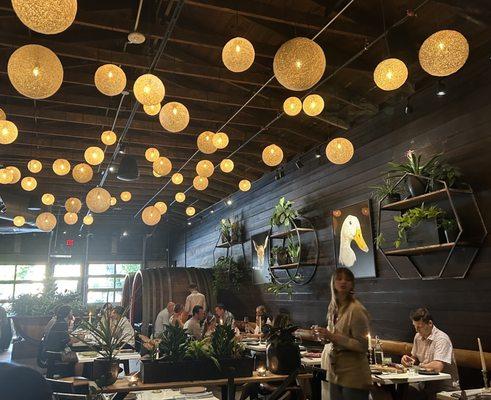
(132, 380)
(261, 371)
(481, 354)
(369, 337)
(90, 317)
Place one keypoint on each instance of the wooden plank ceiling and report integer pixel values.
(192, 71)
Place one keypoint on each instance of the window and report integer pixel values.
(67, 277)
(16, 280)
(105, 281)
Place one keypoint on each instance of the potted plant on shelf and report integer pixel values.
(279, 255)
(226, 230)
(228, 274)
(422, 225)
(293, 250)
(109, 338)
(235, 231)
(282, 353)
(386, 191)
(416, 171)
(285, 215)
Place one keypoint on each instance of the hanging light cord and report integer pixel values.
(236, 113)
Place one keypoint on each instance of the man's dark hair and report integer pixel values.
(63, 311)
(421, 314)
(221, 306)
(193, 286)
(177, 307)
(197, 309)
(119, 310)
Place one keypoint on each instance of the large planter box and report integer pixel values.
(194, 370)
(30, 331)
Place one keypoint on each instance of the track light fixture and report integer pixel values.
(318, 153)
(299, 164)
(408, 109)
(441, 89)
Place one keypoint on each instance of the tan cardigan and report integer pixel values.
(348, 362)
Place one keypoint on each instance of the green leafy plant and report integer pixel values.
(108, 335)
(442, 171)
(151, 345)
(174, 343)
(385, 189)
(279, 255)
(284, 213)
(414, 165)
(226, 229)
(412, 217)
(379, 240)
(293, 249)
(280, 288)
(228, 274)
(201, 349)
(224, 343)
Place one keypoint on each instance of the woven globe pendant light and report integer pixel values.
(98, 200)
(47, 199)
(16, 175)
(108, 138)
(125, 196)
(19, 221)
(6, 176)
(8, 132)
(220, 140)
(152, 154)
(180, 197)
(35, 71)
(313, 105)
(73, 205)
(151, 216)
(3, 116)
(190, 211)
(88, 220)
(82, 173)
(238, 54)
(34, 166)
(94, 155)
(61, 167)
(156, 175)
(149, 89)
(299, 64)
(110, 80)
(390, 74)
(200, 182)
(444, 53)
(227, 165)
(161, 206)
(113, 201)
(292, 106)
(272, 155)
(162, 166)
(28, 183)
(46, 16)
(205, 168)
(152, 110)
(174, 117)
(205, 142)
(177, 178)
(46, 221)
(70, 218)
(339, 151)
(245, 185)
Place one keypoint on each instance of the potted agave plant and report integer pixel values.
(109, 338)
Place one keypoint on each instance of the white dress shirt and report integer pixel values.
(161, 321)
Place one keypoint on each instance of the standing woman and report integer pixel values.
(348, 371)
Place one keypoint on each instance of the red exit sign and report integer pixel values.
(69, 242)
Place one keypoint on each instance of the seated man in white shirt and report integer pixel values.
(432, 350)
(195, 298)
(225, 317)
(162, 319)
(193, 325)
(117, 314)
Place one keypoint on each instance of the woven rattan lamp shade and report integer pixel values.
(98, 200)
(313, 105)
(149, 89)
(82, 173)
(3, 116)
(94, 155)
(46, 221)
(205, 142)
(110, 80)
(245, 185)
(34, 166)
(61, 167)
(28, 183)
(180, 197)
(8, 132)
(161, 206)
(390, 74)
(73, 205)
(177, 178)
(299, 64)
(70, 218)
(444, 53)
(220, 140)
(339, 151)
(108, 138)
(88, 220)
(162, 166)
(6, 176)
(174, 117)
(205, 168)
(19, 221)
(151, 216)
(272, 155)
(125, 196)
(292, 106)
(200, 182)
(47, 199)
(152, 110)
(35, 71)
(190, 211)
(238, 54)
(16, 175)
(227, 165)
(46, 16)
(152, 154)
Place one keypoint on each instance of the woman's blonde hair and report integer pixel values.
(333, 308)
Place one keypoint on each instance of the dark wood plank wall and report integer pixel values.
(459, 125)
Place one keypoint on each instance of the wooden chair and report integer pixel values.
(56, 367)
(69, 388)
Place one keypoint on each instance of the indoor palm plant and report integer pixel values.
(107, 339)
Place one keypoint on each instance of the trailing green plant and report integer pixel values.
(385, 189)
(293, 249)
(280, 288)
(201, 349)
(45, 303)
(412, 217)
(173, 343)
(108, 335)
(224, 344)
(414, 165)
(442, 171)
(283, 214)
(228, 274)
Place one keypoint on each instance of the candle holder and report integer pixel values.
(132, 380)
(261, 371)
